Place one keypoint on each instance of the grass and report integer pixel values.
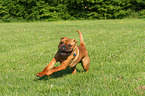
(116, 49)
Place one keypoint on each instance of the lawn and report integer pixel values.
(116, 49)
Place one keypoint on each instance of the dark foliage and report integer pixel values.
(52, 10)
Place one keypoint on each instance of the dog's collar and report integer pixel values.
(75, 57)
(74, 50)
(74, 54)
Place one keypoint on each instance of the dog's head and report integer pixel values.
(66, 46)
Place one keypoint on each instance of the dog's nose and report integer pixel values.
(63, 47)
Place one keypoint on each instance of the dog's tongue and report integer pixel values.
(65, 53)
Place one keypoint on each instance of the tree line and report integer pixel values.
(52, 10)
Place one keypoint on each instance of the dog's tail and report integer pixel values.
(81, 38)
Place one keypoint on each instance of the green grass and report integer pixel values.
(116, 49)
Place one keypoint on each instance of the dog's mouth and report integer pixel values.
(64, 53)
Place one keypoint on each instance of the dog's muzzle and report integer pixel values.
(63, 53)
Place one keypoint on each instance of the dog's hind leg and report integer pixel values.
(74, 69)
(85, 63)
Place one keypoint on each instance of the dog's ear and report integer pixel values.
(75, 41)
(63, 38)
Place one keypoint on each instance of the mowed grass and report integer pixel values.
(116, 49)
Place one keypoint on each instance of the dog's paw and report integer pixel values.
(40, 74)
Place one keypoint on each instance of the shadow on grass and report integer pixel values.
(58, 74)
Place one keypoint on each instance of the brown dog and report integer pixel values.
(68, 54)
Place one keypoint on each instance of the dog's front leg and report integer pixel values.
(48, 67)
(55, 69)
(63, 66)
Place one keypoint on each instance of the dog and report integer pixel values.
(69, 55)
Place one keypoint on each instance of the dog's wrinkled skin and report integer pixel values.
(68, 54)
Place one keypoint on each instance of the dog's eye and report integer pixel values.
(69, 45)
(61, 43)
